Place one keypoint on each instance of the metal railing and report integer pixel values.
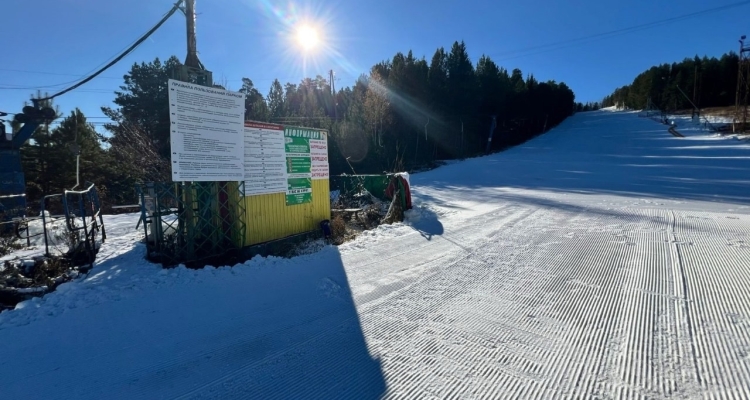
(84, 223)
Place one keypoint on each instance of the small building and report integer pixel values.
(286, 181)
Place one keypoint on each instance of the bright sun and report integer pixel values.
(307, 37)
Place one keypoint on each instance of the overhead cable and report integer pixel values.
(121, 56)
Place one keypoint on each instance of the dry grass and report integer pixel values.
(338, 230)
(9, 244)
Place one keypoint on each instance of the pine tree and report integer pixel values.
(716, 81)
(144, 102)
(437, 79)
(255, 105)
(376, 109)
(461, 83)
(275, 100)
(50, 158)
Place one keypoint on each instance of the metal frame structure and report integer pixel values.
(12, 183)
(12, 210)
(78, 206)
(83, 220)
(192, 222)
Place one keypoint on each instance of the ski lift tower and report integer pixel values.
(12, 183)
(743, 88)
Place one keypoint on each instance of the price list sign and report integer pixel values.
(265, 159)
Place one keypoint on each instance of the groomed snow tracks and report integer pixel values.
(636, 304)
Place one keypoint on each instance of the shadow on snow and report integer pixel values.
(608, 153)
(273, 328)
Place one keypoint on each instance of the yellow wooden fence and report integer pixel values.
(269, 218)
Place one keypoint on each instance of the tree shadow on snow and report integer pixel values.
(616, 154)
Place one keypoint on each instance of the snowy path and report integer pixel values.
(605, 259)
(567, 305)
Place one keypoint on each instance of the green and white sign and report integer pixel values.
(299, 191)
(300, 164)
(303, 133)
(297, 145)
(281, 159)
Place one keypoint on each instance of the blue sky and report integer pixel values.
(49, 43)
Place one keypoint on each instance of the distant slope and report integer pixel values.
(712, 80)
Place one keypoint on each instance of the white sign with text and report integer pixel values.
(319, 155)
(265, 159)
(206, 133)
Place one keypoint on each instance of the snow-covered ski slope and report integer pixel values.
(605, 259)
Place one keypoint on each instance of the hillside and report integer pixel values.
(706, 82)
(604, 259)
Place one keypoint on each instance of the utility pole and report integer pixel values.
(192, 70)
(192, 47)
(191, 225)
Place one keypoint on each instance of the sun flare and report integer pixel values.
(308, 38)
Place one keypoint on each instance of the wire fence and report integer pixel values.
(193, 223)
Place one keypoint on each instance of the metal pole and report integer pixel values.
(695, 88)
(192, 48)
(44, 228)
(739, 85)
(333, 93)
(687, 98)
(462, 139)
(492, 130)
(746, 89)
(416, 150)
(78, 155)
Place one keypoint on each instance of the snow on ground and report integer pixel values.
(115, 225)
(605, 259)
(718, 119)
(704, 123)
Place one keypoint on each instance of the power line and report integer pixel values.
(13, 87)
(16, 87)
(51, 73)
(58, 74)
(121, 56)
(581, 40)
(80, 91)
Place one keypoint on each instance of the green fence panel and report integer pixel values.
(350, 184)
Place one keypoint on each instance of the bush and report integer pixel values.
(8, 244)
(338, 230)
